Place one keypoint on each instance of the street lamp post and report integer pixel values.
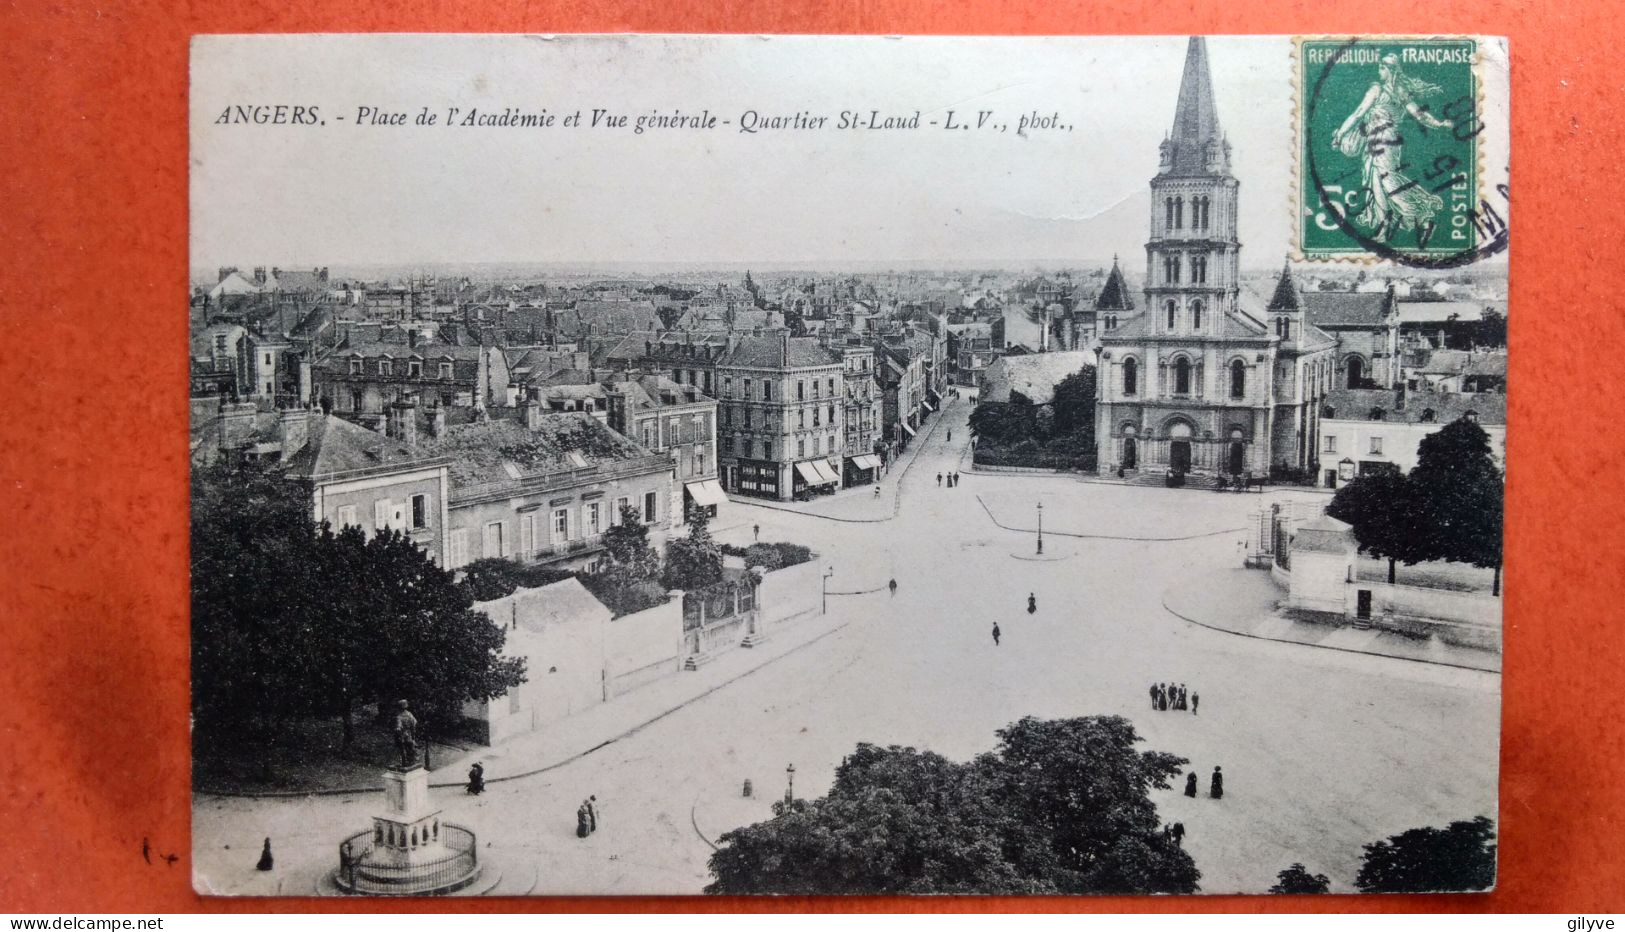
(790, 786)
(1040, 528)
(827, 574)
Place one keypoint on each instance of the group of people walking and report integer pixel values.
(587, 817)
(1215, 786)
(1166, 696)
(952, 477)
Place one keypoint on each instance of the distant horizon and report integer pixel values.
(657, 269)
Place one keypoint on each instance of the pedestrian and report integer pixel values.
(995, 634)
(1032, 603)
(583, 824)
(956, 477)
(1216, 786)
(1183, 704)
(266, 861)
(592, 813)
(756, 532)
(1162, 697)
(950, 436)
(1153, 697)
(1196, 701)
(476, 779)
(892, 586)
(1179, 834)
(939, 480)
(877, 490)
(1190, 784)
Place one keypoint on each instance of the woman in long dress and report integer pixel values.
(1372, 134)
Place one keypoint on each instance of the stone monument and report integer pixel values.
(410, 851)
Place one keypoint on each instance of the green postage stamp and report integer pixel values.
(1388, 145)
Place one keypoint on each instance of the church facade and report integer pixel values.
(1189, 382)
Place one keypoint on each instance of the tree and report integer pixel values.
(294, 620)
(1296, 879)
(1059, 807)
(1074, 403)
(1002, 423)
(1459, 857)
(1386, 517)
(1491, 329)
(628, 544)
(1460, 493)
(490, 578)
(695, 561)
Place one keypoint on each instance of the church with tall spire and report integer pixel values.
(1189, 381)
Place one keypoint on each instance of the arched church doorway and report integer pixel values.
(1238, 452)
(1131, 453)
(1356, 367)
(1179, 447)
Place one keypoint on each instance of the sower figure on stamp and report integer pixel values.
(1373, 134)
(406, 735)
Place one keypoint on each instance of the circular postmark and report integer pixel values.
(1387, 204)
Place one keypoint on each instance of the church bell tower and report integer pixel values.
(1192, 258)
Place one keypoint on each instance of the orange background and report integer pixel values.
(93, 287)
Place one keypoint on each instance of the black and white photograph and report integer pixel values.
(693, 465)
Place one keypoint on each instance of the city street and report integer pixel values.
(1323, 751)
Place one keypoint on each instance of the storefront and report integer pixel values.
(814, 477)
(755, 478)
(862, 470)
(705, 494)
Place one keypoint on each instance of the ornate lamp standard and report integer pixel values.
(1040, 528)
(790, 786)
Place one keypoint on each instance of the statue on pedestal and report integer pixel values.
(406, 735)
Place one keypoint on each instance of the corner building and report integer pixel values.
(1189, 382)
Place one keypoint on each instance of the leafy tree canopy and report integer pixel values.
(1297, 879)
(1459, 857)
(1060, 807)
(290, 619)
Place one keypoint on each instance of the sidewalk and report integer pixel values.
(562, 742)
(1244, 602)
(860, 504)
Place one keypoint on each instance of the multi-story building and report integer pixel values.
(911, 372)
(545, 487)
(861, 411)
(666, 417)
(363, 377)
(355, 476)
(780, 417)
(1363, 431)
(1191, 382)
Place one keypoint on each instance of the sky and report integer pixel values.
(345, 194)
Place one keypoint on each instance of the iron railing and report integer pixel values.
(361, 871)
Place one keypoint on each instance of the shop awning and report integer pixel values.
(866, 461)
(809, 474)
(927, 405)
(907, 429)
(706, 492)
(816, 472)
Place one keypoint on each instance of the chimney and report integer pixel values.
(293, 424)
(437, 421)
(259, 275)
(530, 410)
(403, 422)
(226, 271)
(236, 423)
(784, 336)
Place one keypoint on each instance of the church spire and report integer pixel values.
(1114, 295)
(1286, 291)
(1196, 130)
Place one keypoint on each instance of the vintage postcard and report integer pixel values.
(847, 465)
